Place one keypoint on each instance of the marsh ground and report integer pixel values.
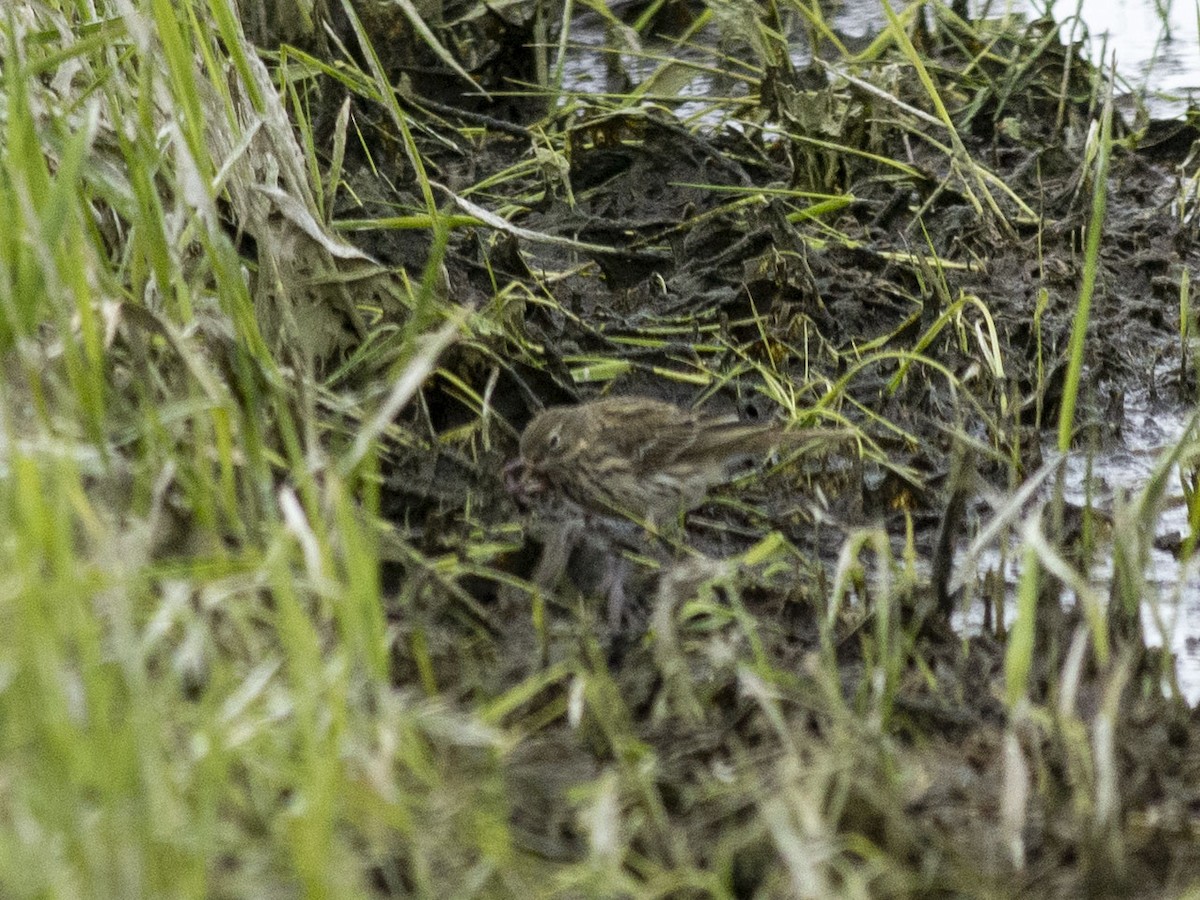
(274, 631)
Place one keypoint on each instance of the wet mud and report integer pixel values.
(836, 250)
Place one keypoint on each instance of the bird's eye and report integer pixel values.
(554, 441)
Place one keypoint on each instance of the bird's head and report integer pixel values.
(548, 446)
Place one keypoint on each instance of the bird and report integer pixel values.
(636, 457)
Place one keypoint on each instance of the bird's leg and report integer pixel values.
(612, 586)
(556, 553)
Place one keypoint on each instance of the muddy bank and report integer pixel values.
(838, 251)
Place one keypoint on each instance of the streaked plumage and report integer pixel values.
(641, 458)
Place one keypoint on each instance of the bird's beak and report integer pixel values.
(522, 482)
(512, 475)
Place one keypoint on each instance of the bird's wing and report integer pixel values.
(649, 433)
(665, 445)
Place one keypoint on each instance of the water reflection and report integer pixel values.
(1155, 42)
(1171, 610)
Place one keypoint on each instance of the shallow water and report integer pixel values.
(588, 68)
(1157, 51)
(1171, 613)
